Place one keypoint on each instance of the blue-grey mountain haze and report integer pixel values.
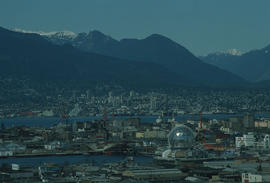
(203, 26)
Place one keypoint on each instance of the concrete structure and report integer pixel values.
(249, 140)
(248, 177)
(266, 141)
(262, 123)
(239, 142)
(248, 121)
(15, 166)
(5, 153)
(52, 145)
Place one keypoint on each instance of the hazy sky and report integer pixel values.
(202, 26)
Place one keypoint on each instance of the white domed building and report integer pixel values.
(181, 137)
(181, 141)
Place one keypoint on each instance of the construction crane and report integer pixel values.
(201, 127)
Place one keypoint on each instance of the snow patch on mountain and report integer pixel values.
(64, 34)
(49, 34)
(234, 52)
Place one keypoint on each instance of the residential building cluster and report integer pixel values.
(120, 102)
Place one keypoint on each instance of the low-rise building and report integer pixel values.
(249, 177)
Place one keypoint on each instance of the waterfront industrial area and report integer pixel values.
(233, 149)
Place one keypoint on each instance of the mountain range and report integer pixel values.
(253, 66)
(156, 49)
(30, 56)
(155, 61)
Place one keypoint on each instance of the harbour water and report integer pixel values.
(50, 121)
(73, 159)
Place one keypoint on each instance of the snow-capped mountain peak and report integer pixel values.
(234, 52)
